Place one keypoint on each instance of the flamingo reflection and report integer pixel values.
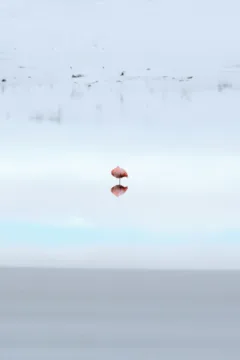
(119, 190)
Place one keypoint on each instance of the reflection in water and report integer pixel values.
(224, 85)
(54, 117)
(3, 86)
(57, 116)
(46, 94)
(37, 117)
(119, 190)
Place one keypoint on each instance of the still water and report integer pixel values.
(107, 314)
(61, 141)
(150, 86)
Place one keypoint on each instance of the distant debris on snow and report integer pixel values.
(92, 83)
(186, 79)
(77, 76)
(122, 73)
(4, 80)
(160, 77)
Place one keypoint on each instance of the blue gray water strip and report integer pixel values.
(119, 314)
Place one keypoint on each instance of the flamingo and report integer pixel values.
(119, 173)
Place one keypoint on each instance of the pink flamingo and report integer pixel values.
(119, 173)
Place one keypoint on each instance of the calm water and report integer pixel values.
(101, 314)
(163, 104)
(154, 88)
(183, 161)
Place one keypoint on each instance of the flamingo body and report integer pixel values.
(119, 173)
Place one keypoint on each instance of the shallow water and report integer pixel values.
(154, 88)
(103, 314)
(182, 157)
(74, 104)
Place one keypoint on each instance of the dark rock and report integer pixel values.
(4, 80)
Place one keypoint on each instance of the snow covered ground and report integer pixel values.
(150, 86)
